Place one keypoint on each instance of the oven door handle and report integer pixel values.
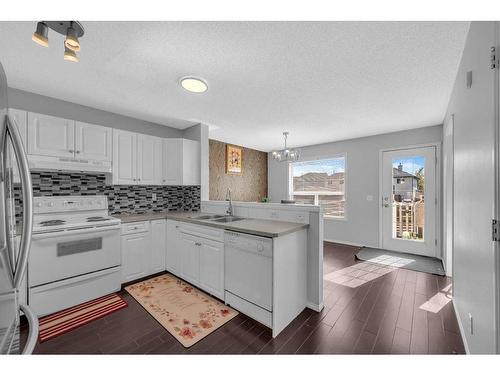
(75, 232)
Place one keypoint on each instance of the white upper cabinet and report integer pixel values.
(93, 142)
(50, 136)
(148, 160)
(137, 158)
(21, 121)
(181, 162)
(124, 157)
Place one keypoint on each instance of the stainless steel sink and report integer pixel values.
(228, 219)
(206, 217)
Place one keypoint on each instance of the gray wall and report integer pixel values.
(475, 263)
(361, 225)
(54, 107)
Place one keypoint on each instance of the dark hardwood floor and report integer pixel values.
(382, 315)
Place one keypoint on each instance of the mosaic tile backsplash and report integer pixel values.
(121, 198)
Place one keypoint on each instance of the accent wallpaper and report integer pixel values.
(250, 186)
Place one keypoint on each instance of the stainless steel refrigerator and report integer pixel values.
(15, 235)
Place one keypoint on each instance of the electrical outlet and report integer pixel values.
(154, 197)
(471, 324)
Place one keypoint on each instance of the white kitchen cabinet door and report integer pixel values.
(173, 258)
(212, 267)
(124, 157)
(93, 142)
(146, 160)
(191, 162)
(135, 256)
(158, 161)
(190, 259)
(158, 246)
(172, 161)
(50, 136)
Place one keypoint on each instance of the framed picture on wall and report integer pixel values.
(233, 160)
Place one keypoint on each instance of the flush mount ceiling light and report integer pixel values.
(193, 84)
(286, 154)
(72, 30)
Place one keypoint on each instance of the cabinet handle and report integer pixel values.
(77, 151)
(70, 151)
(197, 244)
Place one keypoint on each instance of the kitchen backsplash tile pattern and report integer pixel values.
(121, 198)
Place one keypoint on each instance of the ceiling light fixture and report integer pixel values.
(40, 36)
(72, 30)
(71, 40)
(70, 55)
(286, 154)
(194, 84)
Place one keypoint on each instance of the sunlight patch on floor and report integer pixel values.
(438, 301)
(391, 260)
(358, 274)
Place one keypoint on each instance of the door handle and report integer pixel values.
(27, 193)
(33, 329)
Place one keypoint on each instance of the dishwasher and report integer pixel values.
(249, 274)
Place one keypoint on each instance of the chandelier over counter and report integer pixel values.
(286, 154)
(71, 30)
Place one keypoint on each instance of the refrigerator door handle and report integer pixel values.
(33, 329)
(27, 193)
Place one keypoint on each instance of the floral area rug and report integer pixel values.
(187, 313)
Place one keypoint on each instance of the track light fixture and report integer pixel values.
(40, 36)
(72, 30)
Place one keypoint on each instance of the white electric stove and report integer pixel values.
(75, 252)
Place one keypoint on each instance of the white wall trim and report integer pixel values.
(314, 306)
(438, 250)
(460, 327)
(344, 243)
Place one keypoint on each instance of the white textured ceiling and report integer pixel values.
(322, 81)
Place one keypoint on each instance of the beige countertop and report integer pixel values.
(258, 227)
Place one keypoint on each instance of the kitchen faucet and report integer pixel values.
(229, 210)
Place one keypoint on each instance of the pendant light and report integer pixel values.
(71, 40)
(286, 154)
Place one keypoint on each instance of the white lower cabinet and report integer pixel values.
(196, 254)
(143, 249)
(135, 257)
(190, 259)
(173, 258)
(212, 267)
(158, 246)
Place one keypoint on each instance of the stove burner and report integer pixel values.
(97, 218)
(50, 223)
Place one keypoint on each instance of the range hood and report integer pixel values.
(37, 162)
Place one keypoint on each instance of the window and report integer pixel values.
(320, 182)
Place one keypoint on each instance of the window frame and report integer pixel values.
(323, 157)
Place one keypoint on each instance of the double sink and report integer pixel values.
(218, 218)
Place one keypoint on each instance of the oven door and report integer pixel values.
(59, 255)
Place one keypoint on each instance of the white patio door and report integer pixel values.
(409, 204)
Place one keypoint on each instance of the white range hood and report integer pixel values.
(37, 162)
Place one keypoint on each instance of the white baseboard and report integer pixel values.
(344, 242)
(460, 327)
(314, 306)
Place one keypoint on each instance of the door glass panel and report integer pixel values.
(408, 203)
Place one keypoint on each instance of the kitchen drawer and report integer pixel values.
(204, 231)
(49, 298)
(137, 227)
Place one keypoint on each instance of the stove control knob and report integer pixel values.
(39, 204)
(51, 204)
